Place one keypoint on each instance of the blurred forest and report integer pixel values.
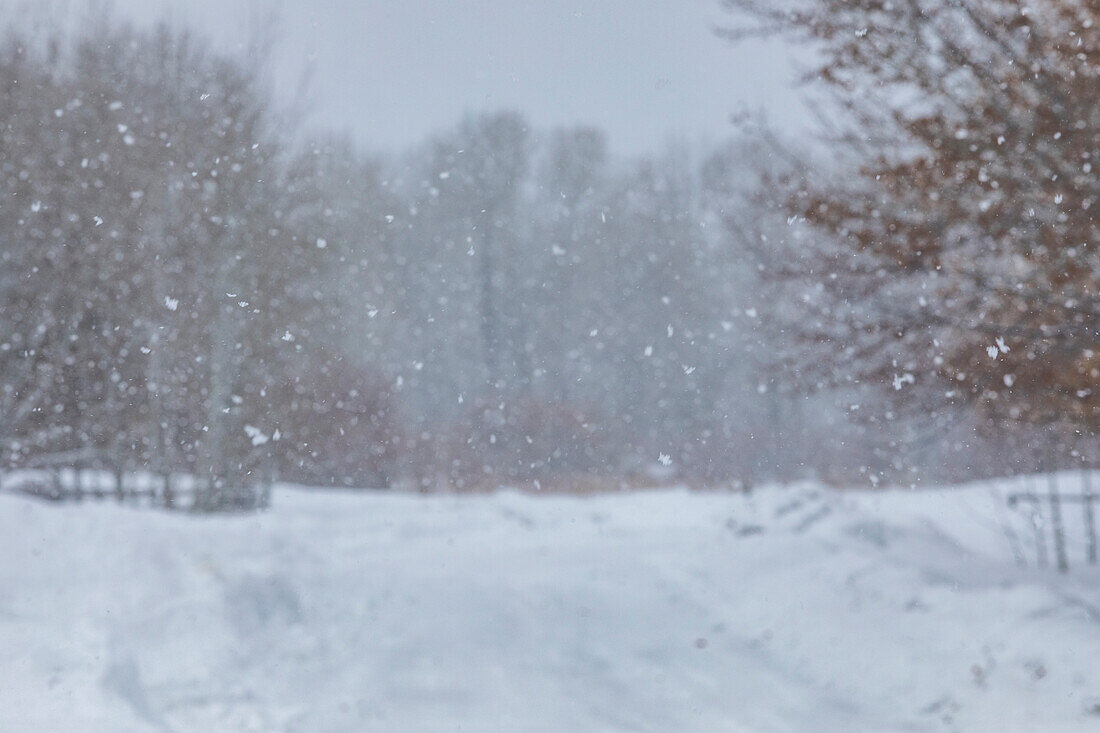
(194, 285)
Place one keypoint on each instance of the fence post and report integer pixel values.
(1056, 526)
(169, 495)
(1090, 520)
(1041, 557)
(97, 487)
(1014, 544)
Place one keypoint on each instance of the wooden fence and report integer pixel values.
(91, 475)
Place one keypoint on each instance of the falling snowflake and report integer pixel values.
(256, 435)
(904, 379)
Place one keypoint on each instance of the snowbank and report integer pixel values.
(789, 610)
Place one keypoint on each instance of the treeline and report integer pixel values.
(190, 288)
(164, 292)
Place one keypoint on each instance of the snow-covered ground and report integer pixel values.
(792, 609)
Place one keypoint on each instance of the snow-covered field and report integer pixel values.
(798, 609)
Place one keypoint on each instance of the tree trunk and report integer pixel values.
(490, 330)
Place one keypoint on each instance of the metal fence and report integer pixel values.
(1049, 505)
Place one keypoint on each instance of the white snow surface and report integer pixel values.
(791, 609)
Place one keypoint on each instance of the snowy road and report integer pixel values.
(791, 610)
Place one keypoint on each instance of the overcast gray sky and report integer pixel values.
(393, 71)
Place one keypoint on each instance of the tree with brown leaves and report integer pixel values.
(951, 257)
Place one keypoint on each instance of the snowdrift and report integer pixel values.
(790, 609)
